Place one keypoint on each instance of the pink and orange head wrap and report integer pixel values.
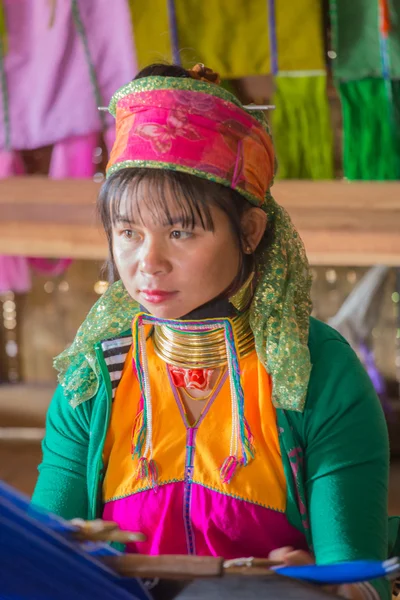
(193, 126)
(190, 125)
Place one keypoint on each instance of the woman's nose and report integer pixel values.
(153, 260)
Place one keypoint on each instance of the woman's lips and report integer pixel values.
(156, 296)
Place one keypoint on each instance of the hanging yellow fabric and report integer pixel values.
(234, 38)
(229, 35)
(301, 122)
(3, 30)
(151, 31)
(299, 35)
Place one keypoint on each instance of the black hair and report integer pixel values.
(193, 197)
(162, 70)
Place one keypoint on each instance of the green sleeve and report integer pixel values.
(62, 484)
(346, 461)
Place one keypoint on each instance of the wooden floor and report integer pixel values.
(24, 407)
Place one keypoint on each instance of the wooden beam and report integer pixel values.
(341, 223)
(345, 223)
(50, 218)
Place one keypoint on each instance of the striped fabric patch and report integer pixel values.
(115, 352)
(368, 592)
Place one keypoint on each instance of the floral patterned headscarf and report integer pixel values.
(197, 127)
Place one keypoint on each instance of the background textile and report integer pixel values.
(366, 39)
(50, 91)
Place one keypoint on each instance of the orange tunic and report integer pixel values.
(192, 510)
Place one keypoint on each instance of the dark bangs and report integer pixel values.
(170, 196)
(187, 196)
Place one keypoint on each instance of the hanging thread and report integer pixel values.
(173, 26)
(3, 80)
(80, 28)
(384, 29)
(273, 42)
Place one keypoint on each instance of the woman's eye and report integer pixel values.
(181, 235)
(127, 234)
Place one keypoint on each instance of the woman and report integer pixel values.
(200, 404)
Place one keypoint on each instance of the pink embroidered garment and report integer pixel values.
(49, 86)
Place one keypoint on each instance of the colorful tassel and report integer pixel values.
(140, 429)
(243, 433)
(147, 471)
(138, 435)
(229, 468)
(248, 448)
(142, 472)
(153, 473)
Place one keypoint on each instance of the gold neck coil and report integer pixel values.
(201, 349)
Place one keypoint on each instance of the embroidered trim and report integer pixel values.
(236, 497)
(187, 493)
(157, 164)
(147, 488)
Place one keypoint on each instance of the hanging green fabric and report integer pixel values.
(301, 122)
(367, 72)
(371, 137)
(355, 34)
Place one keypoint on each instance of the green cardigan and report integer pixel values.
(335, 455)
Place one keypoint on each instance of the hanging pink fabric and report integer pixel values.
(14, 274)
(14, 270)
(10, 164)
(73, 157)
(47, 72)
(48, 266)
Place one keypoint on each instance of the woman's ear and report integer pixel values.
(254, 224)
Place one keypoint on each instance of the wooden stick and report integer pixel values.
(104, 531)
(250, 566)
(187, 567)
(166, 567)
(122, 537)
(94, 525)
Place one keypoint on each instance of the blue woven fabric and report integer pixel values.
(38, 561)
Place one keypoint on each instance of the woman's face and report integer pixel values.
(169, 269)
